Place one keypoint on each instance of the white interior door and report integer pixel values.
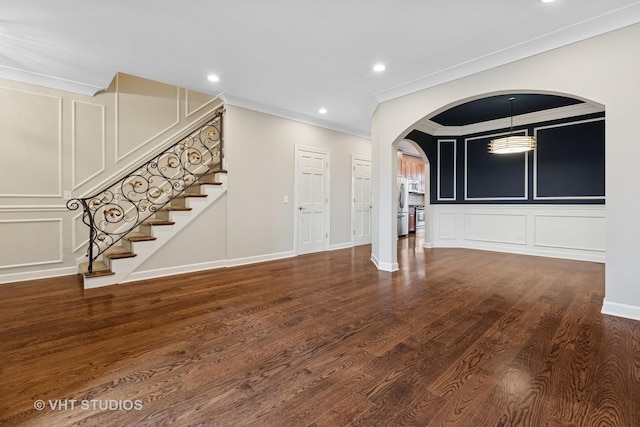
(361, 220)
(312, 201)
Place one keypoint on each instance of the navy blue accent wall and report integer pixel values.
(570, 161)
(566, 168)
(492, 176)
(447, 181)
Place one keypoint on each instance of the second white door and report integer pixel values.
(361, 220)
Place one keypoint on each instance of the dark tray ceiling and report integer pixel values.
(497, 107)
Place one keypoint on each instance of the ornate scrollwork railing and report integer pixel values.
(122, 206)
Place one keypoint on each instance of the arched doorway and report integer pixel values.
(588, 68)
(547, 202)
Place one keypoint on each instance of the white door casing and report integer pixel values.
(312, 200)
(361, 197)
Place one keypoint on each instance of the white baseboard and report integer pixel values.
(523, 250)
(260, 258)
(384, 266)
(172, 271)
(621, 310)
(338, 246)
(35, 275)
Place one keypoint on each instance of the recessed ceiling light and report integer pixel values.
(322, 111)
(378, 68)
(213, 78)
(548, 1)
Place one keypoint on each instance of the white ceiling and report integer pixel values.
(289, 57)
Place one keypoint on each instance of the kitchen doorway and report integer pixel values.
(414, 171)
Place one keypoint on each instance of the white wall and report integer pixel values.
(603, 69)
(260, 159)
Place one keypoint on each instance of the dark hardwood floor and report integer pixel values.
(457, 337)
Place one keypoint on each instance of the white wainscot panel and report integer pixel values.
(572, 232)
(30, 242)
(498, 228)
(447, 226)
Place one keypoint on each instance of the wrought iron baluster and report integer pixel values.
(124, 204)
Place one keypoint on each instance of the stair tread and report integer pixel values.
(116, 252)
(176, 208)
(184, 195)
(137, 236)
(158, 222)
(99, 269)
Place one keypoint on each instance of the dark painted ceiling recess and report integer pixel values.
(498, 107)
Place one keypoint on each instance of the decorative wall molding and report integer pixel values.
(525, 171)
(189, 113)
(102, 146)
(35, 275)
(33, 208)
(535, 163)
(586, 233)
(496, 228)
(30, 233)
(439, 169)
(56, 176)
(566, 231)
(139, 145)
(446, 226)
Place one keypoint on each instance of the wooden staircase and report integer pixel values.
(118, 262)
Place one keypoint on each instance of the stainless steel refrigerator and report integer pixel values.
(403, 207)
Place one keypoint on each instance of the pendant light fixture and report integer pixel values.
(512, 143)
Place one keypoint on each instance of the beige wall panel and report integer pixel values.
(31, 144)
(196, 101)
(34, 241)
(88, 139)
(145, 110)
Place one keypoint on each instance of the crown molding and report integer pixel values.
(291, 115)
(611, 21)
(38, 79)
